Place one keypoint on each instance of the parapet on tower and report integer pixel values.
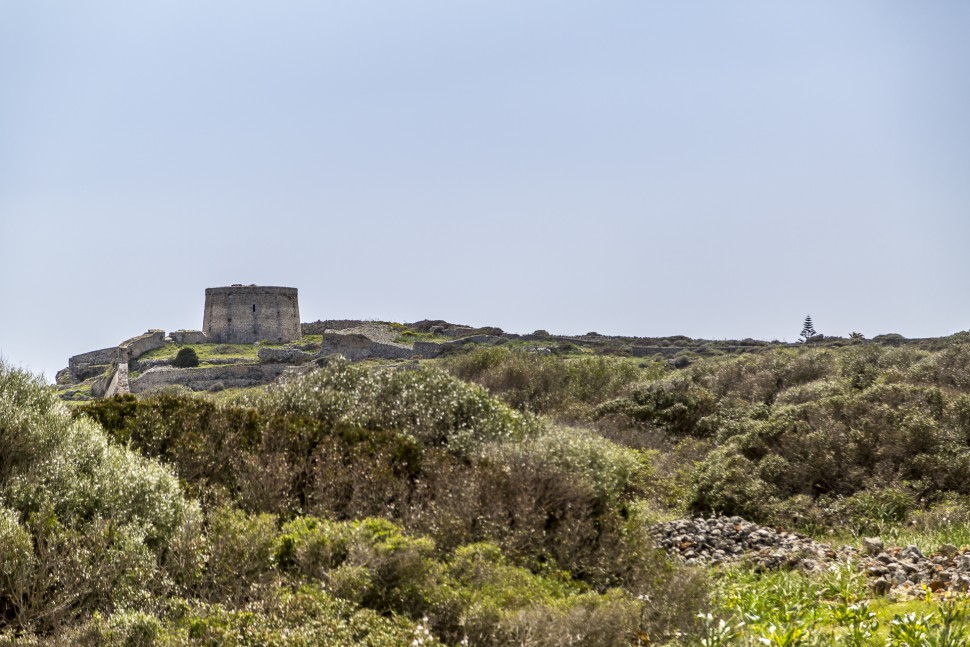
(243, 314)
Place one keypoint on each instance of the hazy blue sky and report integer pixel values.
(709, 168)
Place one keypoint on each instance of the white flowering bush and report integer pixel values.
(428, 404)
(83, 523)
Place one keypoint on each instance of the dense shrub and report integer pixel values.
(863, 420)
(186, 358)
(675, 406)
(240, 555)
(86, 524)
(428, 404)
(567, 388)
(348, 443)
(303, 615)
(474, 593)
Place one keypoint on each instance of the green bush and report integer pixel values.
(241, 548)
(430, 405)
(727, 483)
(439, 510)
(474, 594)
(302, 615)
(543, 384)
(558, 494)
(186, 358)
(371, 560)
(101, 520)
(675, 406)
(837, 425)
(871, 511)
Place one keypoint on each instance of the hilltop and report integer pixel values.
(149, 357)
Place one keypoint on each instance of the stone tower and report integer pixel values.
(243, 314)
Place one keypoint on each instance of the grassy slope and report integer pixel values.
(208, 352)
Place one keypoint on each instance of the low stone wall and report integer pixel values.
(356, 347)
(182, 337)
(87, 371)
(650, 351)
(319, 327)
(428, 349)
(138, 346)
(669, 351)
(142, 365)
(96, 362)
(207, 379)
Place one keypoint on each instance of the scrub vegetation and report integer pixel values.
(493, 497)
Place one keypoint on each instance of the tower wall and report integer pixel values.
(243, 314)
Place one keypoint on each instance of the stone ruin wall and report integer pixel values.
(214, 378)
(138, 346)
(86, 365)
(245, 314)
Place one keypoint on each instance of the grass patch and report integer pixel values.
(830, 608)
(214, 354)
(411, 336)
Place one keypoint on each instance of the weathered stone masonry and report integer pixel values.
(243, 314)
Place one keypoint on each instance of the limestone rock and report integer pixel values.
(872, 546)
(948, 550)
(897, 571)
(880, 586)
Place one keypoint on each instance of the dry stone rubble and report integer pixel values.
(891, 570)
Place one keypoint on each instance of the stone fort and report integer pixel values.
(243, 314)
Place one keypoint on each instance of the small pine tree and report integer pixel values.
(808, 329)
(186, 358)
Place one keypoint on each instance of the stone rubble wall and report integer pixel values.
(92, 363)
(138, 346)
(97, 362)
(357, 347)
(900, 571)
(320, 327)
(182, 337)
(207, 379)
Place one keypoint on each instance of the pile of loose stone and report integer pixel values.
(899, 571)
